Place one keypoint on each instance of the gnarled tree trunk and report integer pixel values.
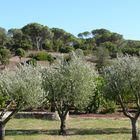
(62, 112)
(135, 135)
(63, 125)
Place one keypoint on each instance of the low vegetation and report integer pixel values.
(42, 56)
(78, 129)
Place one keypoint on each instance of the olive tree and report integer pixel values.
(19, 89)
(123, 85)
(69, 84)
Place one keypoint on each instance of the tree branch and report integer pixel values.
(59, 111)
(133, 89)
(137, 114)
(125, 111)
(5, 109)
(9, 117)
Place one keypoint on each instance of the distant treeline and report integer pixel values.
(35, 36)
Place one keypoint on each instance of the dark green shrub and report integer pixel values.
(96, 100)
(41, 56)
(32, 62)
(66, 49)
(87, 52)
(20, 52)
(108, 106)
(131, 51)
(50, 58)
(48, 45)
(26, 45)
(4, 56)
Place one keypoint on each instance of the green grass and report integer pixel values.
(78, 129)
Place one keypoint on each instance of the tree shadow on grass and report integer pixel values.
(72, 131)
(31, 132)
(99, 131)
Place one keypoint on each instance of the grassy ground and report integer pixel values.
(78, 129)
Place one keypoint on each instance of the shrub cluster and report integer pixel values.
(131, 51)
(41, 56)
(4, 56)
(32, 62)
(66, 49)
(20, 52)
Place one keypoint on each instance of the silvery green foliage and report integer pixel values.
(22, 86)
(70, 83)
(123, 84)
(123, 79)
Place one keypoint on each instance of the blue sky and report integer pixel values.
(75, 16)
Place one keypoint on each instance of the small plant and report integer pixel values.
(32, 62)
(50, 58)
(66, 49)
(108, 106)
(20, 52)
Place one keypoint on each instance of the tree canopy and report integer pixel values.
(69, 84)
(19, 89)
(122, 85)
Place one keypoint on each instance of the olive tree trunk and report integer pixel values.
(53, 107)
(2, 131)
(135, 135)
(62, 112)
(63, 125)
(4, 122)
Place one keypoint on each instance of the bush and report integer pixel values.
(108, 106)
(42, 56)
(47, 45)
(32, 62)
(131, 51)
(87, 52)
(4, 56)
(26, 45)
(50, 58)
(66, 49)
(20, 52)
